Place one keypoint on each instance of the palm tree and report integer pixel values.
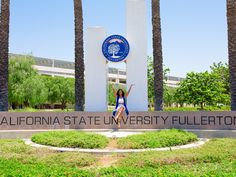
(4, 43)
(231, 16)
(157, 54)
(79, 56)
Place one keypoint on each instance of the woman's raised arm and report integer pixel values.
(114, 90)
(127, 93)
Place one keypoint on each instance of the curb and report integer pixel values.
(199, 143)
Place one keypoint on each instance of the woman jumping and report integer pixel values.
(120, 103)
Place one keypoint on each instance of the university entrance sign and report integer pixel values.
(225, 120)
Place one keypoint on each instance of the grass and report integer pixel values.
(216, 158)
(206, 108)
(17, 150)
(16, 168)
(18, 159)
(163, 138)
(72, 139)
(40, 110)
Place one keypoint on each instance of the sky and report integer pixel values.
(194, 32)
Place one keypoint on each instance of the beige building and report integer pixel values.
(62, 68)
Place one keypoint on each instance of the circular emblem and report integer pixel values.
(115, 48)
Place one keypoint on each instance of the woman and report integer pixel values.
(120, 103)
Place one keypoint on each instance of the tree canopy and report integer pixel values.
(202, 89)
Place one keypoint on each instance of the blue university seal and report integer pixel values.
(115, 48)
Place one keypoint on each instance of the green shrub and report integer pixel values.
(73, 139)
(163, 138)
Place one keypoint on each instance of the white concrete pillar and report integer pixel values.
(136, 29)
(95, 70)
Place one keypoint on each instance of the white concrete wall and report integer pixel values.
(136, 28)
(95, 70)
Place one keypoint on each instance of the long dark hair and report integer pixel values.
(117, 93)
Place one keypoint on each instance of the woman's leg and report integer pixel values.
(119, 112)
(118, 116)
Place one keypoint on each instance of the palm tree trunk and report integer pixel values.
(4, 44)
(157, 54)
(79, 56)
(231, 16)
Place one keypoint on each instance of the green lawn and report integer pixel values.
(18, 159)
(216, 158)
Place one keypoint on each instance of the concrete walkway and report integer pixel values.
(110, 151)
(117, 134)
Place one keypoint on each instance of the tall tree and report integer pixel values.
(79, 56)
(231, 16)
(157, 55)
(4, 44)
(151, 95)
(20, 69)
